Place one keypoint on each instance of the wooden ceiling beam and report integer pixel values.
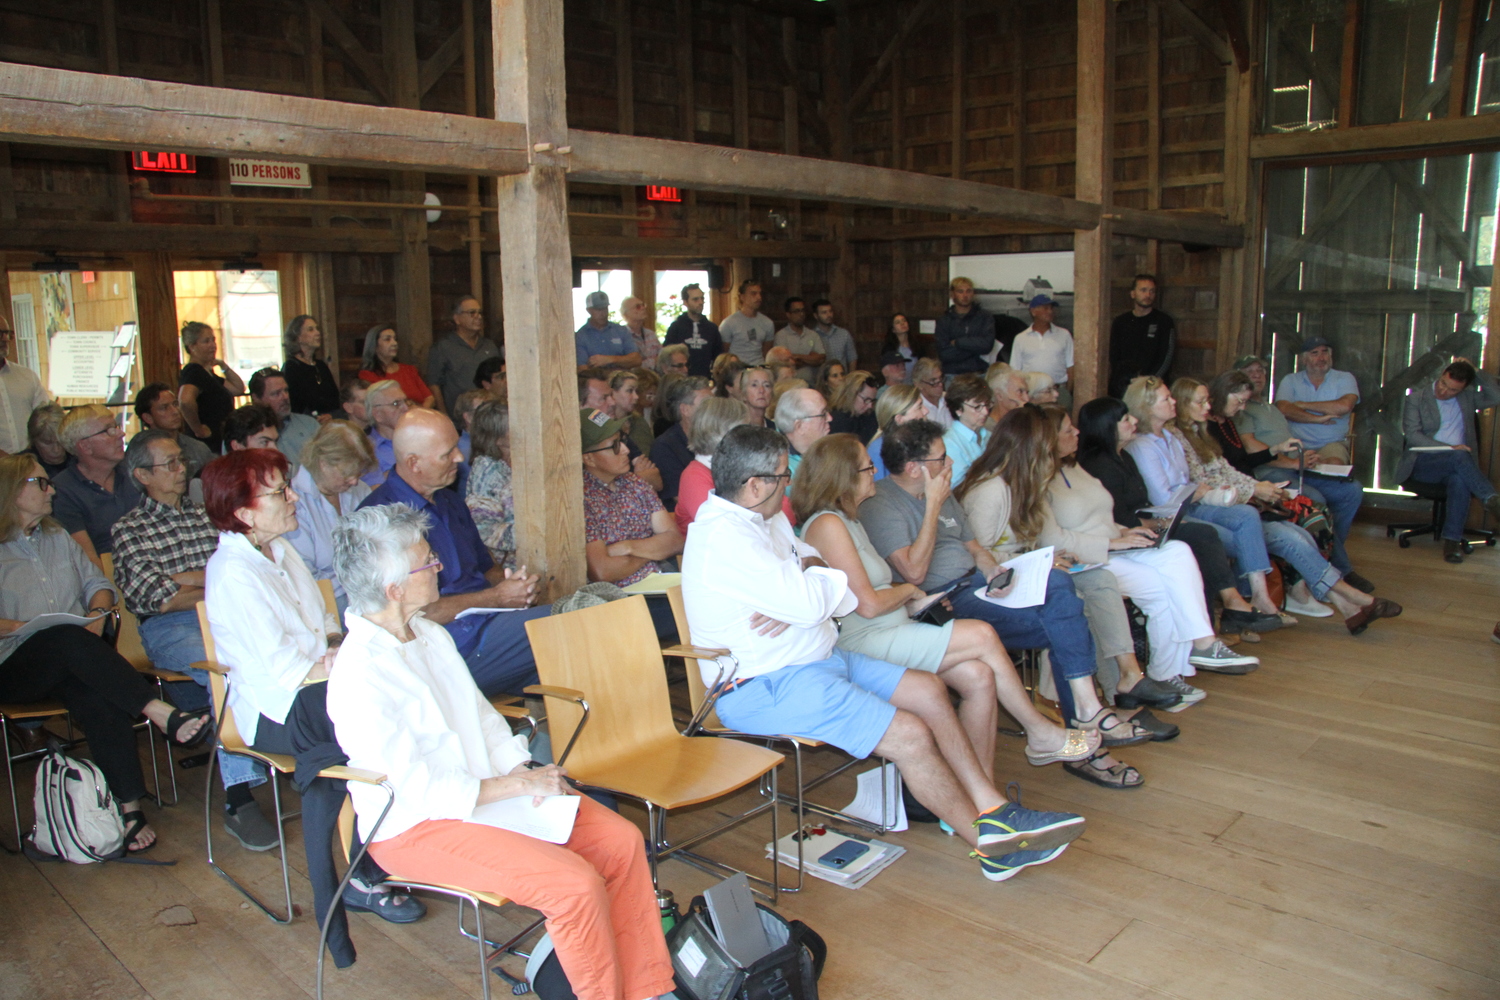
(1377, 138)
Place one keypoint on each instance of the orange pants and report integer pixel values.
(595, 892)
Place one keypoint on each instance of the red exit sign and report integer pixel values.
(655, 192)
(164, 163)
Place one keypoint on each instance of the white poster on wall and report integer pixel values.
(79, 363)
(1005, 282)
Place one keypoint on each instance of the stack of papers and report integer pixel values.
(868, 799)
(551, 821)
(855, 874)
(1029, 588)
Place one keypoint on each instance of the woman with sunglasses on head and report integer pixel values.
(43, 571)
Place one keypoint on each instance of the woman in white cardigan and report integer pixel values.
(403, 704)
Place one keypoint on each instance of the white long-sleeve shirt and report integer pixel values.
(411, 711)
(738, 564)
(269, 626)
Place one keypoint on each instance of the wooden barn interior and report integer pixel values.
(1324, 828)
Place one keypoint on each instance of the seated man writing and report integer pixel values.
(751, 587)
(494, 644)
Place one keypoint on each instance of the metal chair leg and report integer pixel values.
(10, 777)
(208, 834)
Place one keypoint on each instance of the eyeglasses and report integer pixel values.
(436, 564)
(400, 404)
(617, 446)
(978, 406)
(867, 468)
(277, 493)
(772, 475)
(931, 381)
(825, 415)
(43, 483)
(941, 458)
(113, 429)
(173, 464)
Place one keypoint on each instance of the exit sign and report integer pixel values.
(655, 192)
(164, 163)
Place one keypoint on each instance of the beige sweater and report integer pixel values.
(1080, 516)
(988, 508)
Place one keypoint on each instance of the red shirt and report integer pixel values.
(692, 489)
(410, 381)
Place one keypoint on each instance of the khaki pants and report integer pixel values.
(1336, 453)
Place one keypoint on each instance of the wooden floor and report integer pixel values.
(1324, 828)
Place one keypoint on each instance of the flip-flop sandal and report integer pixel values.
(135, 822)
(1080, 745)
(1119, 734)
(1120, 776)
(177, 720)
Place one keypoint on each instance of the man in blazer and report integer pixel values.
(1440, 416)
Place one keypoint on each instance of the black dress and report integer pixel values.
(214, 401)
(312, 387)
(862, 427)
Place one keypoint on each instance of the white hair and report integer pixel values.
(369, 552)
(794, 406)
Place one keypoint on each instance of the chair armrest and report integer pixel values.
(694, 652)
(513, 711)
(212, 667)
(352, 774)
(549, 691)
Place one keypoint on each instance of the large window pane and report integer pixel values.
(1484, 94)
(1391, 262)
(1405, 60)
(1303, 41)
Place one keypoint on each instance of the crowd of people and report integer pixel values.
(814, 509)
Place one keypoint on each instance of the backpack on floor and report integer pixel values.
(77, 818)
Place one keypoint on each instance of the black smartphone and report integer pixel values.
(1001, 581)
(843, 854)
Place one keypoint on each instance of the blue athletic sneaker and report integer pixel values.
(1002, 868)
(1012, 827)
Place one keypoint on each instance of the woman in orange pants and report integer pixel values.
(403, 704)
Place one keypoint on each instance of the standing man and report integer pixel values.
(600, 343)
(747, 332)
(1045, 347)
(20, 393)
(95, 491)
(1141, 341)
(268, 388)
(697, 332)
(965, 333)
(1441, 415)
(804, 345)
(838, 343)
(451, 361)
(634, 312)
(1317, 402)
(157, 409)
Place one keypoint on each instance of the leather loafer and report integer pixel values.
(1160, 731)
(1378, 608)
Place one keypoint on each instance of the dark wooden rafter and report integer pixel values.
(435, 66)
(360, 60)
(893, 47)
(1201, 30)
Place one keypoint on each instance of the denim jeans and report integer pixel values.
(499, 654)
(1057, 624)
(1296, 546)
(173, 642)
(1340, 494)
(1457, 471)
(1240, 531)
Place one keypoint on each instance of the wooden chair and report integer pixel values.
(14, 713)
(605, 661)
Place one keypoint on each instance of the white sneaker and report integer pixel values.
(1311, 608)
(1190, 694)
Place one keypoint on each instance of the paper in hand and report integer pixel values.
(1030, 586)
(551, 821)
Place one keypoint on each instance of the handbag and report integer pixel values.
(706, 971)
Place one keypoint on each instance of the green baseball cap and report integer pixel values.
(597, 427)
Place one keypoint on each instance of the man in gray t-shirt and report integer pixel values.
(746, 332)
(893, 518)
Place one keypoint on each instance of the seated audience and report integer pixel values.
(314, 390)
(775, 613)
(402, 704)
(836, 477)
(1105, 427)
(754, 385)
(463, 415)
(43, 571)
(725, 375)
(329, 485)
(1040, 388)
(43, 443)
(647, 383)
(294, 430)
(94, 491)
(494, 644)
(803, 417)
(379, 364)
(157, 408)
(897, 405)
(714, 418)
(1010, 388)
(1342, 495)
(673, 358)
(919, 527)
(671, 454)
(853, 406)
(352, 403)
(783, 373)
(489, 498)
(205, 396)
(250, 426)
(1441, 414)
(969, 399)
(386, 403)
(595, 393)
(927, 376)
(781, 388)
(1317, 401)
(830, 377)
(490, 376)
(162, 548)
(895, 369)
(622, 405)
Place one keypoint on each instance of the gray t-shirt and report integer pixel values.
(1263, 420)
(892, 518)
(747, 338)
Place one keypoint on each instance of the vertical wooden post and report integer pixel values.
(740, 98)
(956, 133)
(475, 236)
(625, 100)
(1237, 267)
(844, 276)
(1094, 172)
(1349, 65)
(536, 264)
(7, 187)
(156, 311)
(213, 75)
(413, 269)
(1463, 57)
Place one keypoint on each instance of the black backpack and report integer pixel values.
(705, 971)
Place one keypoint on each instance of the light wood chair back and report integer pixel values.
(697, 689)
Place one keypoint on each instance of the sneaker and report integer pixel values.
(250, 827)
(1220, 659)
(383, 901)
(1190, 695)
(1012, 827)
(1312, 609)
(1001, 868)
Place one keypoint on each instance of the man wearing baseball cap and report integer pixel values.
(602, 344)
(1317, 401)
(1046, 347)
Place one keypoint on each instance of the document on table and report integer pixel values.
(1334, 470)
(1030, 586)
(47, 621)
(482, 611)
(551, 821)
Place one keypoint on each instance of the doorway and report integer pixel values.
(243, 307)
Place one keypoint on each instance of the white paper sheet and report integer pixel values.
(1030, 586)
(866, 804)
(551, 821)
(1432, 447)
(483, 611)
(1333, 470)
(47, 621)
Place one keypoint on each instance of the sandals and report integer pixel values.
(178, 719)
(135, 822)
(1079, 745)
(1114, 731)
(1119, 776)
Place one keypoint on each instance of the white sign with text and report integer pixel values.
(270, 173)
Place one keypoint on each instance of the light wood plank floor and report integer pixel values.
(1325, 827)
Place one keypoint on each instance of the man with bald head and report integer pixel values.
(494, 645)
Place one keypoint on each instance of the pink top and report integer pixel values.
(692, 490)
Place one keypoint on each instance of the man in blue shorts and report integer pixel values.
(750, 586)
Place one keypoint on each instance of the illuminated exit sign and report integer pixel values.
(655, 192)
(164, 163)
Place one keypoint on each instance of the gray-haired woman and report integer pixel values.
(490, 499)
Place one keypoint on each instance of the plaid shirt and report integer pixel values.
(155, 542)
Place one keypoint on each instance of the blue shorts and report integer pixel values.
(844, 700)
